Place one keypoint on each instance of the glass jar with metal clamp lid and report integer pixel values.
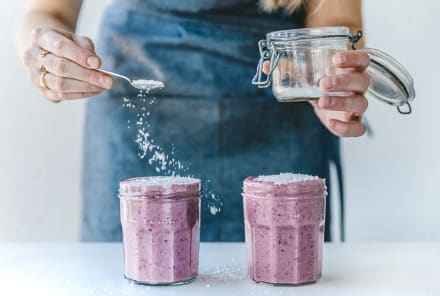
(299, 58)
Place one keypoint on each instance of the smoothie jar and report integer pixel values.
(284, 218)
(299, 58)
(160, 218)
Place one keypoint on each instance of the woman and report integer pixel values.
(223, 128)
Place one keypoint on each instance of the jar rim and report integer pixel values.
(141, 187)
(267, 189)
(322, 195)
(307, 33)
(179, 196)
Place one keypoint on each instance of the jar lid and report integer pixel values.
(306, 34)
(159, 187)
(390, 82)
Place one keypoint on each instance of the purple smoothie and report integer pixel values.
(284, 228)
(160, 219)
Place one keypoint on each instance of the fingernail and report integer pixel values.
(339, 59)
(106, 81)
(327, 83)
(93, 62)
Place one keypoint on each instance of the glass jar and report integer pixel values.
(160, 219)
(284, 218)
(300, 58)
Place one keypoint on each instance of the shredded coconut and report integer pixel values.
(213, 210)
(163, 181)
(225, 273)
(297, 92)
(156, 156)
(285, 178)
(307, 93)
(147, 85)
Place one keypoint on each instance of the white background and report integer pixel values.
(392, 186)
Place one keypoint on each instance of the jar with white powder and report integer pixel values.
(300, 58)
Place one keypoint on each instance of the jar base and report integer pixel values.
(179, 283)
(290, 100)
(286, 284)
(295, 97)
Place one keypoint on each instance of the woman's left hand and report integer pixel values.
(343, 115)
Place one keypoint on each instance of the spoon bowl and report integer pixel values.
(141, 84)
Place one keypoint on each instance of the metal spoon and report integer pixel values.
(139, 84)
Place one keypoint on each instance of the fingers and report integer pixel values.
(352, 82)
(340, 123)
(354, 59)
(58, 44)
(266, 67)
(57, 97)
(352, 128)
(67, 69)
(68, 85)
(356, 103)
(64, 85)
(84, 42)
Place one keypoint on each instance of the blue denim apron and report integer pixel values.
(222, 127)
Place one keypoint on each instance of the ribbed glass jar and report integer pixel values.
(284, 228)
(160, 218)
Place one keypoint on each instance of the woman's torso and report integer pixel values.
(190, 5)
(223, 128)
(197, 47)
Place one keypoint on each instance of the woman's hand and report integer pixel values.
(62, 65)
(342, 115)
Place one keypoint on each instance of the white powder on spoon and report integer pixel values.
(147, 84)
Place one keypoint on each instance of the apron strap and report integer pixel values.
(336, 158)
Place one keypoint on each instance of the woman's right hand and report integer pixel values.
(62, 65)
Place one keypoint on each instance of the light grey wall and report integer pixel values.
(40, 146)
(391, 178)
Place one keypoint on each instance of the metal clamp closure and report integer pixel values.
(265, 55)
(354, 38)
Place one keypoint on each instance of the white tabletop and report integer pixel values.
(96, 269)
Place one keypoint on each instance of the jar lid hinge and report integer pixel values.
(354, 38)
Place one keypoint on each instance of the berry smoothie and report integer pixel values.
(160, 219)
(284, 228)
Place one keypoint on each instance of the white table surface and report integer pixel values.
(96, 269)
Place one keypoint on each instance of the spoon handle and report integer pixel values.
(115, 74)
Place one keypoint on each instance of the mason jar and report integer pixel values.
(300, 58)
(284, 218)
(160, 218)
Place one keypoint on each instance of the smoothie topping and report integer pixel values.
(162, 181)
(147, 84)
(285, 178)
